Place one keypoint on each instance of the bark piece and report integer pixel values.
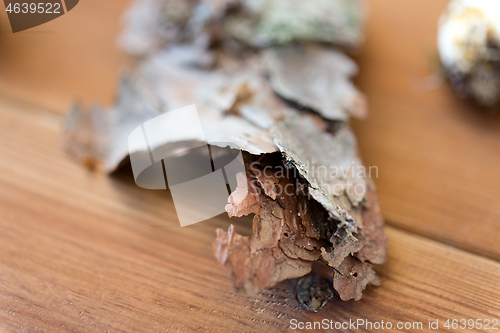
(246, 199)
(372, 234)
(352, 277)
(152, 25)
(84, 135)
(162, 83)
(316, 77)
(253, 271)
(236, 25)
(339, 22)
(293, 226)
(174, 84)
(287, 111)
(297, 222)
(324, 160)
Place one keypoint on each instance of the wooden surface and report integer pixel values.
(81, 251)
(438, 156)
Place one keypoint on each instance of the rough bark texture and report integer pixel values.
(286, 108)
(291, 230)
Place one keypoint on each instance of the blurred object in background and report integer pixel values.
(469, 47)
(151, 24)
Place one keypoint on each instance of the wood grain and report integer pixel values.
(437, 155)
(83, 252)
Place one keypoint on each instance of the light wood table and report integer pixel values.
(82, 252)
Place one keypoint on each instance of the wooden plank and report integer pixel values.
(437, 155)
(83, 252)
